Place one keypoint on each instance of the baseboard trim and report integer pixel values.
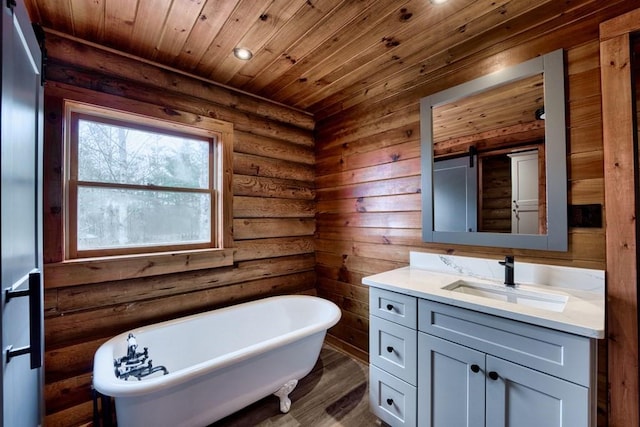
(347, 348)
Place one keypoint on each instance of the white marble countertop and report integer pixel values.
(582, 315)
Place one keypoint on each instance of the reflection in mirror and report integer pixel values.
(503, 193)
(486, 148)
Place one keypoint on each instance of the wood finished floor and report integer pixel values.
(335, 393)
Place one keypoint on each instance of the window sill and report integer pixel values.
(104, 269)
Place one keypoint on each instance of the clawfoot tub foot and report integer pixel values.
(283, 394)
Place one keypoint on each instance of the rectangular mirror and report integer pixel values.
(494, 159)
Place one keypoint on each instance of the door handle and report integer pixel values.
(34, 349)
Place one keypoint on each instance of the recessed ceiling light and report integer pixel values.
(437, 1)
(242, 53)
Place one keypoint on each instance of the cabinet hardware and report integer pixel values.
(494, 375)
(389, 401)
(389, 307)
(390, 349)
(475, 368)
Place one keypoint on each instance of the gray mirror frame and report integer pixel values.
(556, 239)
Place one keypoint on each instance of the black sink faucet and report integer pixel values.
(509, 267)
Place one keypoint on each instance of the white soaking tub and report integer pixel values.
(217, 362)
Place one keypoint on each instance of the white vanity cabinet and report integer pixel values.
(475, 369)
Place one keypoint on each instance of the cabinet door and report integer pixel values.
(391, 399)
(451, 384)
(393, 348)
(518, 396)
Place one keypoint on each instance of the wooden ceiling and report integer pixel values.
(315, 55)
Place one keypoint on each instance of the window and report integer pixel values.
(139, 185)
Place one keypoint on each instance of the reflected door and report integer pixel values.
(455, 195)
(524, 190)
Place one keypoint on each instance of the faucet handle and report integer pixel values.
(508, 261)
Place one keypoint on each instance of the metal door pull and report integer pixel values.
(35, 324)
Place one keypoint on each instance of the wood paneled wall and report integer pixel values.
(368, 175)
(273, 217)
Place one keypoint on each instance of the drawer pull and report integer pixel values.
(494, 375)
(389, 307)
(389, 401)
(475, 368)
(390, 349)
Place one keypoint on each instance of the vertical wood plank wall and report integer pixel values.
(368, 179)
(273, 222)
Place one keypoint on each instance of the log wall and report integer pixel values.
(368, 175)
(273, 217)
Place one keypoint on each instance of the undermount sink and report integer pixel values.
(517, 295)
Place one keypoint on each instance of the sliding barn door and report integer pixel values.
(21, 220)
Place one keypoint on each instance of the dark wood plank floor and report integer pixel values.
(335, 393)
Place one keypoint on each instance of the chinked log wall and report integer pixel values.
(273, 214)
(368, 171)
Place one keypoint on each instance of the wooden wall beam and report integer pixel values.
(620, 166)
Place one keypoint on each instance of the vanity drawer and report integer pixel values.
(392, 400)
(394, 348)
(558, 353)
(398, 308)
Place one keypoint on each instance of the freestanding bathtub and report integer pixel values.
(217, 362)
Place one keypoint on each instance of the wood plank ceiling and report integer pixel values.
(321, 56)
